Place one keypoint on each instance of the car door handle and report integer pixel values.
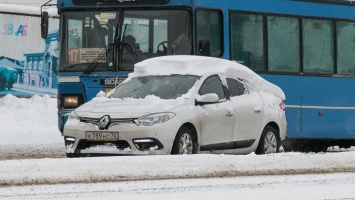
(257, 110)
(229, 114)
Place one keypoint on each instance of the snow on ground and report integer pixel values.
(29, 127)
(337, 186)
(128, 168)
(28, 121)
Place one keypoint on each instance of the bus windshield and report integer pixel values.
(116, 40)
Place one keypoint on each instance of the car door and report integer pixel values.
(216, 118)
(248, 111)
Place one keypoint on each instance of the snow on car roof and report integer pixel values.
(201, 65)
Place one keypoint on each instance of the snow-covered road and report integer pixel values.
(115, 169)
(290, 187)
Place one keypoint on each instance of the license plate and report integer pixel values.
(102, 136)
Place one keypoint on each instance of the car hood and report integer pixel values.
(127, 108)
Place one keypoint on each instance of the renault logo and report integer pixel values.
(104, 122)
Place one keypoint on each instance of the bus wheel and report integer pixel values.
(316, 147)
(184, 142)
(269, 143)
(305, 145)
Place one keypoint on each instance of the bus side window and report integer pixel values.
(247, 40)
(209, 32)
(345, 47)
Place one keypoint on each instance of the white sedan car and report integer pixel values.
(181, 105)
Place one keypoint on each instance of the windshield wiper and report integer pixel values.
(123, 45)
(94, 64)
(131, 51)
(72, 66)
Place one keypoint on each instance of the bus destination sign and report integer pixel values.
(117, 2)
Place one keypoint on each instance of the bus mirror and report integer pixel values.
(44, 24)
(204, 48)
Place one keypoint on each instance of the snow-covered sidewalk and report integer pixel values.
(114, 169)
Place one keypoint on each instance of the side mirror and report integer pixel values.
(44, 24)
(209, 98)
(204, 48)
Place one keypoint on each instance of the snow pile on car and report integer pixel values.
(201, 65)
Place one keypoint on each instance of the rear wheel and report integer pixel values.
(184, 142)
(269, 142)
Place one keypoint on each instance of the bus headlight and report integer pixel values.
(70, 101)
(153, 119)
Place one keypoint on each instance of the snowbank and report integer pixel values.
(25, 121)
(114, 169)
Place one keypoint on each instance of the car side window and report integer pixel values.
(235, 87)
(213, 84)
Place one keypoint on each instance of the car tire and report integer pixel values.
(184, 142)
(71, 155)
(76, 154)
(269, 142)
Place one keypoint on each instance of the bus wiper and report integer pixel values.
(128, 47)
(72, 66)
(95, 62)
(131, 51)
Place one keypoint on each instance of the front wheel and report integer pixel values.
(269, 143)
(184, 142)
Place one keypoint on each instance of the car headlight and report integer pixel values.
(153, 119)
(73, 116)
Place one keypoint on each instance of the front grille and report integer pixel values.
(96, 120)
(113, 121)
(120, 144)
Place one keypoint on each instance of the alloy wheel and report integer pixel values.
(185, 144)
(270, 143)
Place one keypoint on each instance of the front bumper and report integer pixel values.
(132, 139)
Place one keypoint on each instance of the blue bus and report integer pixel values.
(307, 47)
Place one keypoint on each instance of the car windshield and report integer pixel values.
(164, 87)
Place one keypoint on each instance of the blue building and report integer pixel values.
(40, 69)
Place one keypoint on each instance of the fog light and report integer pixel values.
(70, 139)
(143, 141)
(147, 144)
